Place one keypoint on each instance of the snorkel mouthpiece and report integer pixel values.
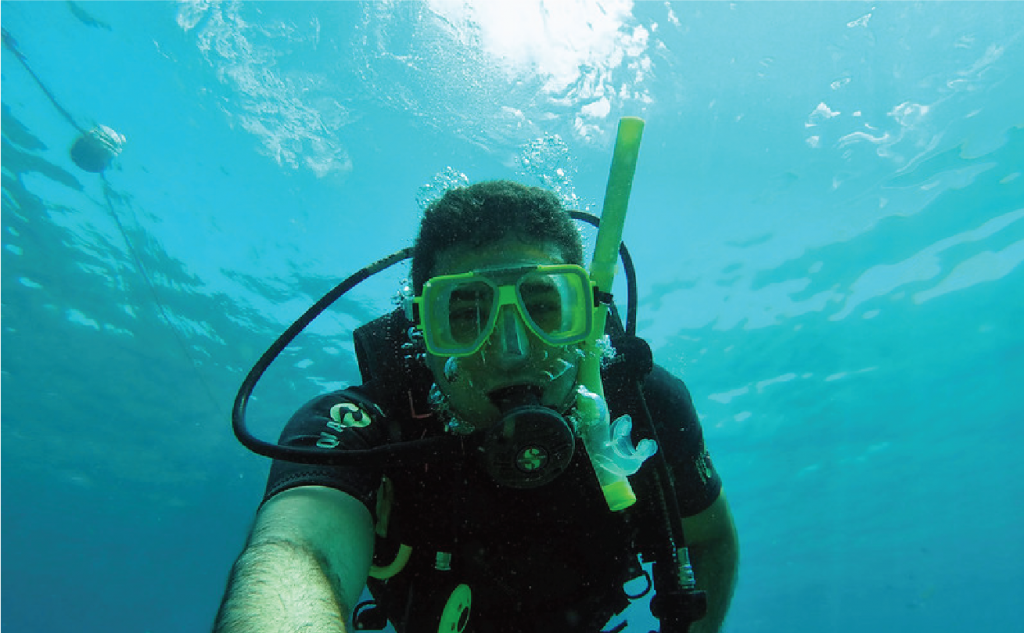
(531, 444)
(617, 455)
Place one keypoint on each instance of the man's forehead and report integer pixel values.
(507, 253)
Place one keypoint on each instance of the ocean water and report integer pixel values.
(827, 222)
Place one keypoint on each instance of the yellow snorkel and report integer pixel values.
(609, 446)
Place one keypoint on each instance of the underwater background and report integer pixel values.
(827, 223)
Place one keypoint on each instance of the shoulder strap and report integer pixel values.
(392, 361)
(377, 345)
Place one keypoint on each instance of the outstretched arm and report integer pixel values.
(304, 566)
(714, 553)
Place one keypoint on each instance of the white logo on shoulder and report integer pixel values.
(344, 415)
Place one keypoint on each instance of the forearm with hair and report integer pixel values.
(281, 587)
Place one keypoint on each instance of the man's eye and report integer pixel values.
(544, 303)
(465, 313)
(545, 309)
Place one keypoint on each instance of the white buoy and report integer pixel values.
(94, 150)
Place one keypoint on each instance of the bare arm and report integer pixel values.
(714, 553)
(304, 566)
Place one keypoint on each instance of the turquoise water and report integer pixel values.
(827, 222)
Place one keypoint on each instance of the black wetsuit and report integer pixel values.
(552, 558)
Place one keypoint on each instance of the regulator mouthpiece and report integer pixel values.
(531, 444)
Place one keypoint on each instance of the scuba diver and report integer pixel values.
(457, 483)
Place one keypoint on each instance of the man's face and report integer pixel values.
(513, 354)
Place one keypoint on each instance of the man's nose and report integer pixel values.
(509, 344)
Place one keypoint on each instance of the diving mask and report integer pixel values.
(458, 313)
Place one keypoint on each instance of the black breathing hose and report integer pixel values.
(395, 454)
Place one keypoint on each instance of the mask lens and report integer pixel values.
(556, 304)
(469, 310)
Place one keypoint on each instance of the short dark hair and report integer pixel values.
(487, 212)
